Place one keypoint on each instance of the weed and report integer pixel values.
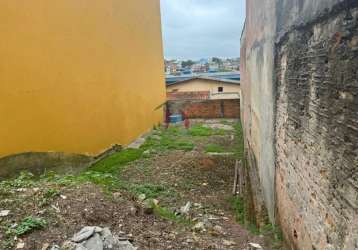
(25, 180)
(275, 232)
(238, 205)
(214, 148)
(29, 224)
(240, 140)
(167, 214)
(48, 195)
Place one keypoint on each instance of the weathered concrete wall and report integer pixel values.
(257, 62)
(206, 108)
(313, 131)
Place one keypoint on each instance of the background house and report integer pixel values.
(214, 87)
(67, 74)
(204, 97)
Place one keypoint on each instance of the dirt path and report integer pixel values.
(175, 168)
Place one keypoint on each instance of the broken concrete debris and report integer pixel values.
(254, 246)
(97, 238)
(185, 209)
(4, 213)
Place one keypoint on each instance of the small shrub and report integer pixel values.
(48, 195)
(29, 224)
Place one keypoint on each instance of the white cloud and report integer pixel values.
(202, 28)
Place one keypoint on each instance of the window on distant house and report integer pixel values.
(220, 89)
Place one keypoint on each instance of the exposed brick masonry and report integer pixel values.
(207, 108)
(317, 132)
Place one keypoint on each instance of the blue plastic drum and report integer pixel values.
(176, 118)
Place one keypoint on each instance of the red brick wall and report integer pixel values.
(206, 108)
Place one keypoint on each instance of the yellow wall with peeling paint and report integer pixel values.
(78, 76)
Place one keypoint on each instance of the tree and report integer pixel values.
(188, 63)
(217, 60)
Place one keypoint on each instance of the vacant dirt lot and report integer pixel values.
(173, 192)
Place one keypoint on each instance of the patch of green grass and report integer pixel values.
(167, 214)
(200, 130)
(108, 181)
(167, 142)
(151, 190)
(214, 148)
(28, 225)
(116, 162)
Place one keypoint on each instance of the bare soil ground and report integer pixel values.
(173, 167)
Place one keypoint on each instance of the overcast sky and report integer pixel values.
(194, 29)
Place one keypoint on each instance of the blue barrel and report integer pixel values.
(176, 118)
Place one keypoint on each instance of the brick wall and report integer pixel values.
(207, 108)
(300, 114)
(317, 133)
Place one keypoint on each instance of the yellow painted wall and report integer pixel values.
(78, 76)
(203, 85)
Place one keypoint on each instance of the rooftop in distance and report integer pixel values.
(235, 76)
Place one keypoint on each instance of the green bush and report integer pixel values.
(29, 224)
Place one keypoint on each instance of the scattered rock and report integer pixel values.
(117, 195)
(185, 209)
(45, 246)
(142, 197)
(229, 243)
(155, 202)
(97, 238)
(20, 245)
(55, 247)
(4, 213)
(125, 245)
(254, 246)
(133, 211)
(94, 243)
(80, 247)
(148, 206)
(199, 227)
(69, 245)
(63, 197)
(56, 208)
(218, 230)
(84, 234)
